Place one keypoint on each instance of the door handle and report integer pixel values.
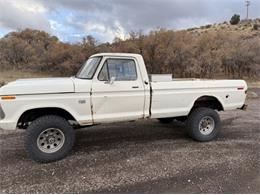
(135, 87)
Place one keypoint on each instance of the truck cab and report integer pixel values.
(119, 88)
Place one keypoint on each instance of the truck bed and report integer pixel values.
(176, 97)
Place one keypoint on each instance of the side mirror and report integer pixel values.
(111, 81)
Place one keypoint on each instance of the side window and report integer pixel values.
(121, 69)
(103, 74)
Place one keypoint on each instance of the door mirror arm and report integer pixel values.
(111, 81)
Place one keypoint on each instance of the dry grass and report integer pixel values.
(7, 76)
(253, 84)
(244, 27)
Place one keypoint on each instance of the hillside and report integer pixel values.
(211, 51)
(245, 27)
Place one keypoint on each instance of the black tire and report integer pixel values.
(42, 124)
(165, 120)
(194, 120)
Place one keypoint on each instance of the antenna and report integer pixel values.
(247, 8)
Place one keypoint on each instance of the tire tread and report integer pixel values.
(36, 126)
(192, 124)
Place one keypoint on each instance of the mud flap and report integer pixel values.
(244, 107)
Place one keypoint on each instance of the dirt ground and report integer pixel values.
(143, 157)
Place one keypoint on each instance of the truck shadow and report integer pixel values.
(106, 137)
(229, 121)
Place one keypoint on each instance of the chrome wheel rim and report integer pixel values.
(50, 140)
(206, 125)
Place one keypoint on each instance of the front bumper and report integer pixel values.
(7, 125)
(5, 122)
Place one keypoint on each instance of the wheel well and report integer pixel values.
(209, 102)
(30, 115)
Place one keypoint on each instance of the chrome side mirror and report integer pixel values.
(111, 81)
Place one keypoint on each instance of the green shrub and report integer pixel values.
(235, 19)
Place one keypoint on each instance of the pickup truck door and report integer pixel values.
(117, 91)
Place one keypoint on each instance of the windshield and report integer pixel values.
(89, 68)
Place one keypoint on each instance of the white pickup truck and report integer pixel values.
(111, 87)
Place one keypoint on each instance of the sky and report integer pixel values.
(70, 20)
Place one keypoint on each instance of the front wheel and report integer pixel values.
(49, 138)
(203, 124)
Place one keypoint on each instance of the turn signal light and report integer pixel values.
(8, 97)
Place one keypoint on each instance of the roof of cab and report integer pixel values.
(117, 54)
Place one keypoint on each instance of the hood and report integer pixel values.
(38, 86)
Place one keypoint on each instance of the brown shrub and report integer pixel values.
(182, 53)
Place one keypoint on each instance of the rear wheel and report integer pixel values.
(49, 138)
(165, 120)
(203, 124)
